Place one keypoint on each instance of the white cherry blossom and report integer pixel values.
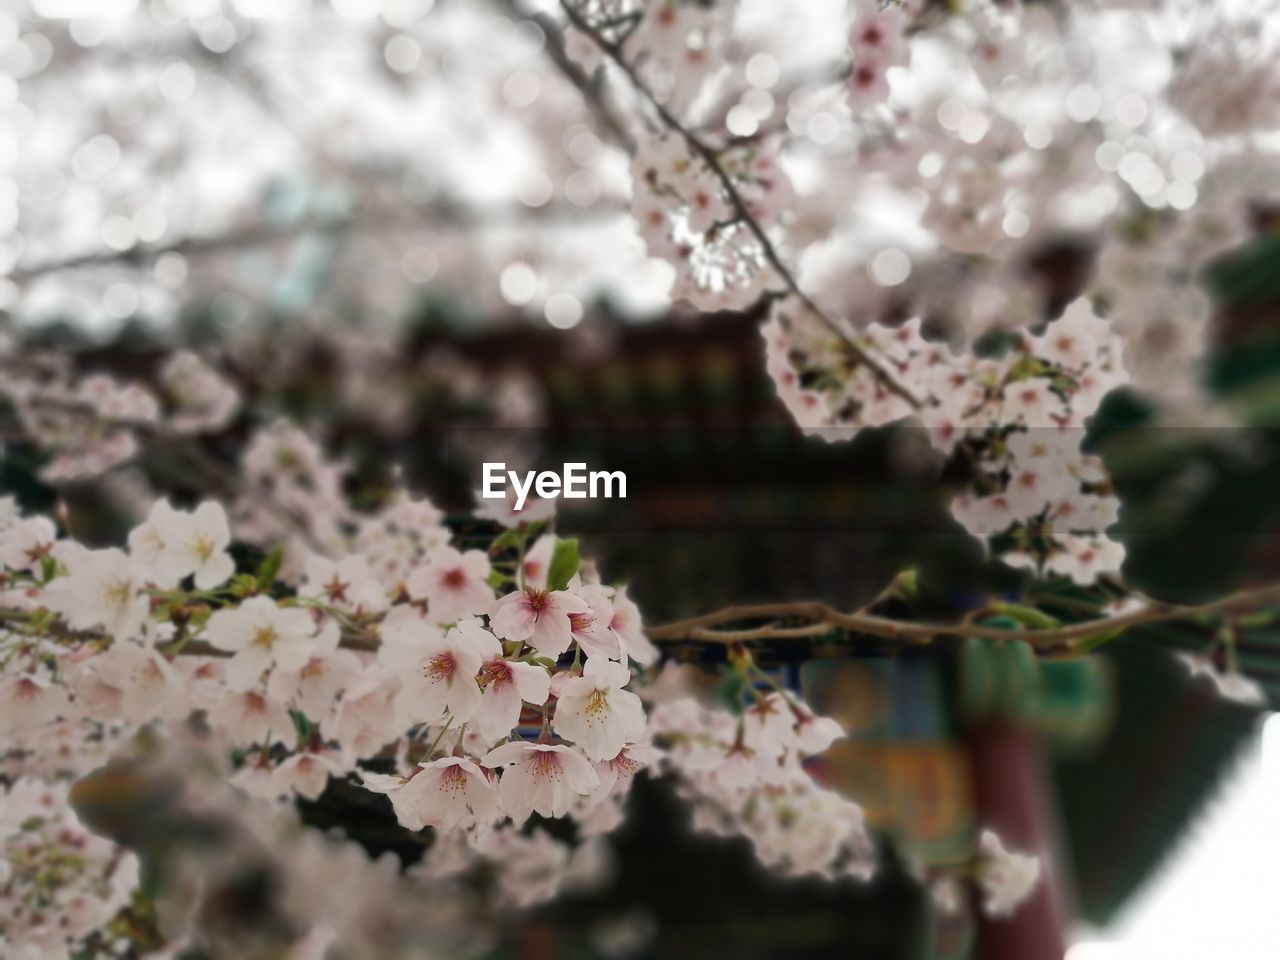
(103, 588)
(261, 634)
(596, 713)
(542, 777)
(443, 672)
(445, 793)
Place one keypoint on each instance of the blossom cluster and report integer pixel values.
(59, 882)
(745, 776)
(1020, 416)
(474, 689)
(1009, 132)
(417, 660)
(92, 423)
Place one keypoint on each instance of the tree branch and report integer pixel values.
(823, 619)
(442, 213)
(590, 90)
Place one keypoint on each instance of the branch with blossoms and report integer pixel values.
(708, 215)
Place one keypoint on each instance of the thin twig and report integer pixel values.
(444, 213)
(586, 85)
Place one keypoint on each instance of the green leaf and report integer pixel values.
(731, 690)
(506, 540)
(269, 568)
(565, 561)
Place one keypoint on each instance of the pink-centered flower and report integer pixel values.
(29, 701)
(314, 685)
(454, 584)
(307, 774)
(443, 680)
(249, 717)
(540, 618)
(506, 685)
(541, 777)
(629, 761)
(591, 627)
(627, 625)
(444, 794)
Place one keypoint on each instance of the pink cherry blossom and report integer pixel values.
(445, 794)
(307, 774)
(540, 618)
(314, 685)
(542, 777)
(454, 584)
(348, 584)
(443, 676)
(249, 717)
(507, 685)
(596, 713)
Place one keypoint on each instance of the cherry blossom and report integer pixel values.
(129, 681)
(454, 584)
(628, 761)
(542, 618)
(24, 543)
(30, 701)
(507, 685)
(313, 686)
(306, 774)
(540, 777)
(261, 634)
(444, 681)
(443, 793)
(537, 562)
(103, 588)
(592, 627)
(196, 543)
(596, 713)
(249, 717)
(348, 584)
(627, 626)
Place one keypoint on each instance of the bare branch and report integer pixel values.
(824, 619)
(444, 213)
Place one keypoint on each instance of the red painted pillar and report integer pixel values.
(1012, 796)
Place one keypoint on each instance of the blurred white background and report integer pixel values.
(1219, 894)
